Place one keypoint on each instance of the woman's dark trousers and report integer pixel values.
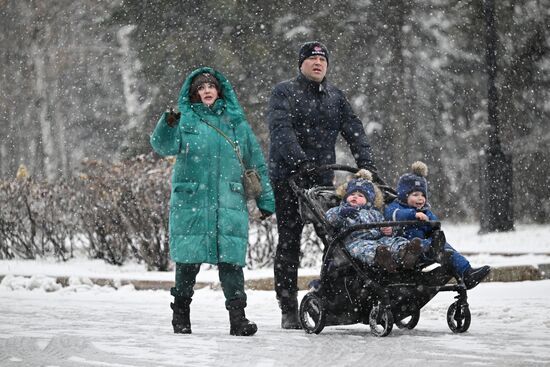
(232, 281)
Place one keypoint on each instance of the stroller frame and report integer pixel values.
(381, 299)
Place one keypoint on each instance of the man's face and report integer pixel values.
(314, 68)
(416, 199)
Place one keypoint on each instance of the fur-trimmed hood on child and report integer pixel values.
(362, 182)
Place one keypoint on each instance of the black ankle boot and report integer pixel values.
(474, 276)
(180, 316)
(289, 313)
(290, 320)
(240, 325)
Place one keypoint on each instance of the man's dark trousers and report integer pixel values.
(287, 255)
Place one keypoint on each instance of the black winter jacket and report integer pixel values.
(305, 118)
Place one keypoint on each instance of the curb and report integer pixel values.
(516, 273)
(519, 273)
(504, 254)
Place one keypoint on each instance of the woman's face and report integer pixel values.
(208, 93)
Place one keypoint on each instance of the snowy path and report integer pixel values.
(104, 327)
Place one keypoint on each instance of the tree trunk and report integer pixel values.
(497, 211)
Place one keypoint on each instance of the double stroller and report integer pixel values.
(350, 292)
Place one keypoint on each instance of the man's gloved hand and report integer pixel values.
(303, 173)
(265, 214)
(349, 212)
(306, 167)
(172, 118)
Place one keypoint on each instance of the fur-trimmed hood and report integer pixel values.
(232, 107)
(363, 174)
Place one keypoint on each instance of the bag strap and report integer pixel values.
(233, 144)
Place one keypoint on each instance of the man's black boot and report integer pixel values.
(180, 316)
(289, 313)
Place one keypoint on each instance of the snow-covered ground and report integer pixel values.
(43, 324)
(99, 326)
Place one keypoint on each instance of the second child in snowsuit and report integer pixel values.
(375, 247)
(412, 204)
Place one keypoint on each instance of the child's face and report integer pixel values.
(416, 199)
(356, 199)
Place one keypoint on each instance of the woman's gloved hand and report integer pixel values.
(172, 118)
(265, 214)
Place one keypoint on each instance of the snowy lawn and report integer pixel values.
(530, 244)
(99, 326)
(88, 325)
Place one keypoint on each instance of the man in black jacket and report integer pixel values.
(305, 116)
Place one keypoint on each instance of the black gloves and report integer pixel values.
(172, 118)
(306, 167)
(349, 212)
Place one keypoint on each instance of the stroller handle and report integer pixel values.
(332, 167)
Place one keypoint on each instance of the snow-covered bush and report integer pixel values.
(124, 210)
(35, 220)
(115, 212)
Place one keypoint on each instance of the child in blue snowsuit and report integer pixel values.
(411, 204)
(374, 247)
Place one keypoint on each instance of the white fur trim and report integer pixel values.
(363, 173)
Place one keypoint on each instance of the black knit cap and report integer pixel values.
(309, 49)
(200, 80)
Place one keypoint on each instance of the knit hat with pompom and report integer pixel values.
(413, 181)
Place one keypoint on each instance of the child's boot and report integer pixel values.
(240, 325)
(384, 259)
(180, 315)
(474, 276)
(437, 248)
(409, 253)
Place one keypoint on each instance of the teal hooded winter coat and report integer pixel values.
(208, 211)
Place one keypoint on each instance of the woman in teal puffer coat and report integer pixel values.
(208, 211)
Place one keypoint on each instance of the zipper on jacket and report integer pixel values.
(185, 159)
(217, 229)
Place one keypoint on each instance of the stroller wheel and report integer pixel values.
(312, 313)
(409, 322)
(380, 321)
(459, 317)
